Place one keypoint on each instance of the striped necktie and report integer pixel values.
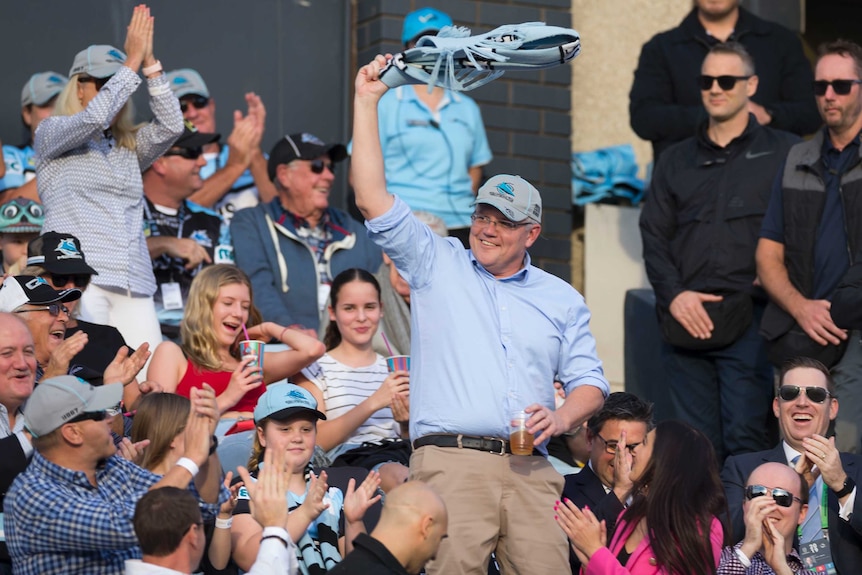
(811, 528)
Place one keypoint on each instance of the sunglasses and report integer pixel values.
(815, 394)
(724, 82)
(54, 309)
(79, 281)
(781, 496)
(317, 167)
(199, 102)
(840, 87)
(187, 153)
(90, 416)
(611, 446)
(99, 82)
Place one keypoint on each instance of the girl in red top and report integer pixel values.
(219, 304)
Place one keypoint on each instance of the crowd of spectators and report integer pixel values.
(206, 367)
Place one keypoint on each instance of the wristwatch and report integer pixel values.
(849, 486)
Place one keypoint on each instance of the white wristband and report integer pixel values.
(189, 465)
(159, 89)
(223, 523)
(746, 562)
(157, 67)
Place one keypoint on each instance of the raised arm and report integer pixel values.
(304, 350)
(366, 166)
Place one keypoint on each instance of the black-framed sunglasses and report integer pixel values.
(99, 82)
(485, 221)
(317, 167)
(187, 153)
(199, 102)
(840, 87)
(80, 281)
(611, 446)
(54, 309)
(725, 82)
(815, 394)
(101, 415)
(781, 496)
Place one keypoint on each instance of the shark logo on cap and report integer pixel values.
(117, 55)
(506, 188)
(68, 249)
(311, 139)
(295, 395)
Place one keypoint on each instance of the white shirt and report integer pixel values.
(845, 510)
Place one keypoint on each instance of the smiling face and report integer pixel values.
(17, 362)
(357, 312)
(182, 176)
(500, 251)
(295, 436)
(48, 331)
(800, 417)
(839, 113)
(303, 192)
(230, 312)
(601, 461)
(202, 118)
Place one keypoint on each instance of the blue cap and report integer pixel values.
(423, 22)
(282, 401)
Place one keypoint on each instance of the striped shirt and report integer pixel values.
(92, 187)
(344, 387)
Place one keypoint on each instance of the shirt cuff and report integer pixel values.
(277, 531)
(746, 562)
(390, 219)
(846, 510)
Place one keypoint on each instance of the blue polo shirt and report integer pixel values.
(830, 244)
(428, 155)
(483, 347)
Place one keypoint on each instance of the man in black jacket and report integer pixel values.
(664, 101)
(613, 434)
(700, 225)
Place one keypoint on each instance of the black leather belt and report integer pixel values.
(489, 444)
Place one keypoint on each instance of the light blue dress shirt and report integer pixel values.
(483, 347)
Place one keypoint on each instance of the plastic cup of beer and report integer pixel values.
(520, 440)
(252, 348)
(398, 363)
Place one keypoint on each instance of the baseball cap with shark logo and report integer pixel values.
(59, 254)
(512, 195)
(98, 61)
(41, 87)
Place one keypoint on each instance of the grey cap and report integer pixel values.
(58, 400)
(186, 81)
(512, 195)
(41, 87)
(98, 61)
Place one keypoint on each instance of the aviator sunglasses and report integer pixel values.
(199, 102)
(781, 496)
(840, 87)
(724, 82)
(791, 392)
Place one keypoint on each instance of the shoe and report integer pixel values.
(456, 60)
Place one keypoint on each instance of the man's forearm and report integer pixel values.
(774, 277)
(217, 185)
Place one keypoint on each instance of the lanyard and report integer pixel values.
(154, 228)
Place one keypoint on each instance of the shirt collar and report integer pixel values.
(522, 275)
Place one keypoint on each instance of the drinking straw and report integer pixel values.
(386, 341)
(245, 331)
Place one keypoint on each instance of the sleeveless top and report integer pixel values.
(195, 377)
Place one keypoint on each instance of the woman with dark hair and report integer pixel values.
(366, 406)
(672, 526)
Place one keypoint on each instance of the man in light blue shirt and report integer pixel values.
(492, 333)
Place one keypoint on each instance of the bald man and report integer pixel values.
(411, 527)
(776, 498)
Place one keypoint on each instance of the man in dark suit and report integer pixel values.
(603, 484)
(805, 406)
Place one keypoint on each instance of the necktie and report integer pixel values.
(811, 528)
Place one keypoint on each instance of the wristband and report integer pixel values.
(281, 335)
(224, 523)
(157, 67)
(279, 533)
(847, 489)
(189, 465)
(746, 562)
(213, 444)
(159, 89)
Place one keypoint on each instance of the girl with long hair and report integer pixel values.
(219, 307)
(366, 406)
(672, 526)
(90, 155)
